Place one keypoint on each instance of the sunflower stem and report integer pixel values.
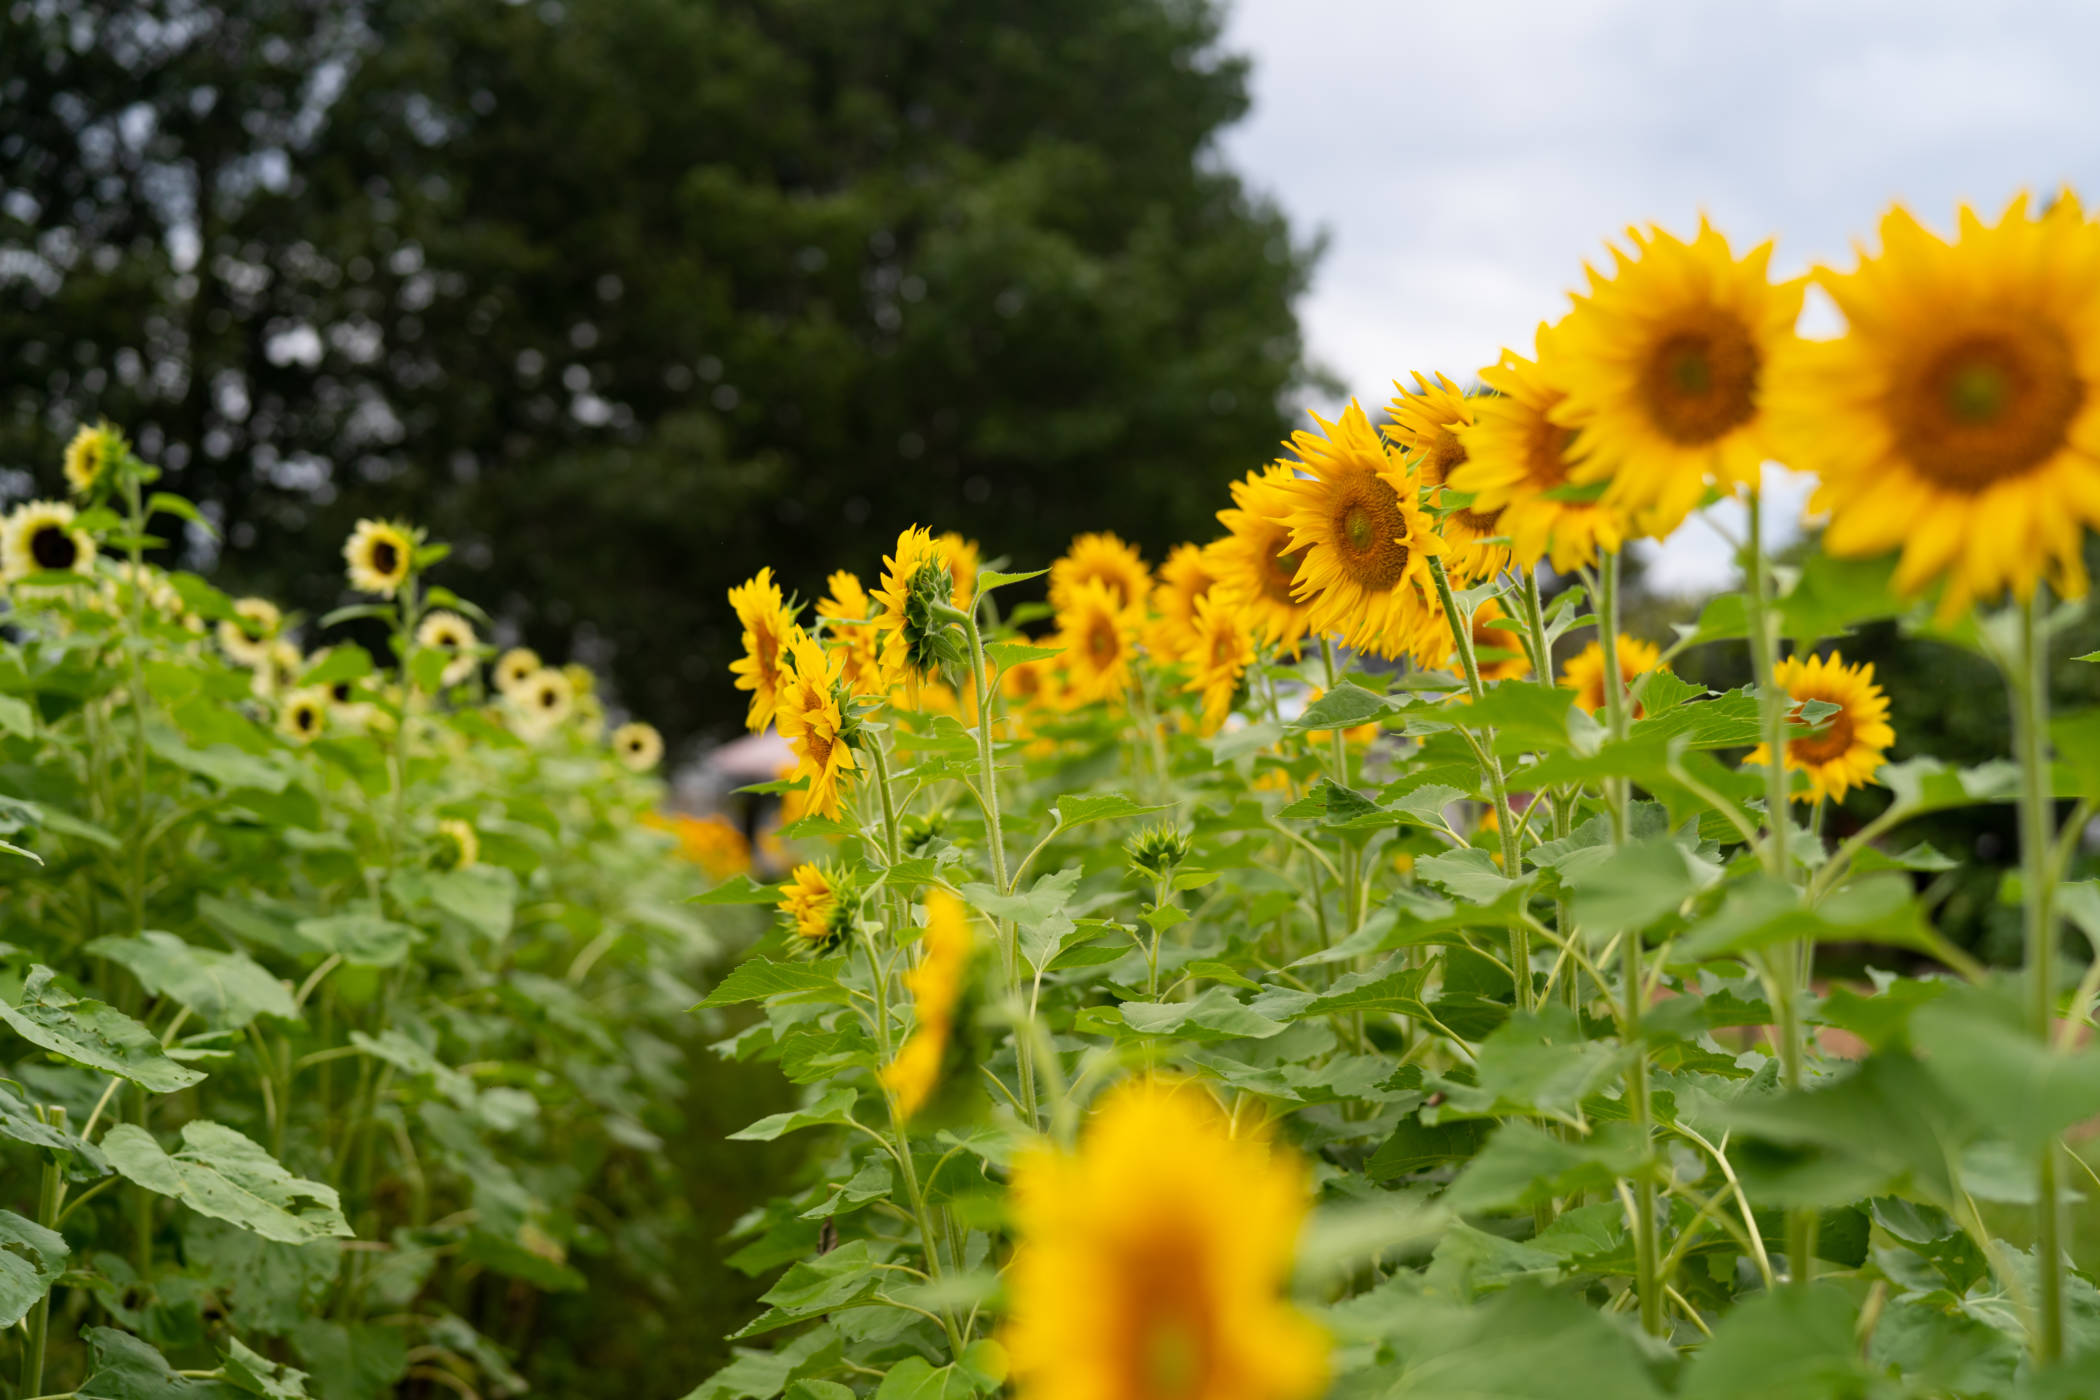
(1538, 647)
(1338, 743)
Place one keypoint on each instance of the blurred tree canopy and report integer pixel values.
(627, 298)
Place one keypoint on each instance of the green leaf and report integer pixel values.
(756, 979)
(258, 1375)
(914, 1378)
(1524, 1344)
(1039, 915)
(354, 1361)
(404, 1054)
(1635, 885)
(1466, 873)
(92, 1034)
(225, 989)
(363, 940)
(16, 717)
(1077, 809)
(19, 1123)
(31, 1259)
(168, 503)
(811, 1287)
(1007, 655)
(989, 579)
(1983, 1053)
(1214, 1015)
(1343, 707)
(739, 889)
(833, 1109)
(224, 765)
(222, 1174)
(345, 661)
(127, 1369)
(1884, 1128)
(1761, 912)
(1833, 595)
(1523, 1166)
(1782, 1342)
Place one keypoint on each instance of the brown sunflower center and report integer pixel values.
(53, 547)
(549, 698)
(1368, 528)
(1280, 573)
(1700, 382)
(817, 746)
(1169, 1339)
(1546, 445)
(386, 558)
(1834, 741)
(306, 717)
(1446, 453)
(1103, 643)
(1994, 402)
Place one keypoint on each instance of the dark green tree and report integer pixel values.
(628, 298)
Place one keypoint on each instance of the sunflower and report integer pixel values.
(936, 986)
(245, 637)
(638, 745)
(304, 715)
(812, 719)
(1363, 534)
(1099, 636)
(1497, 649)
(1186, 577)
(543, 701)
(459, 847)
(811, 906)
(1958, 418)
(280, 668)
(767, 620)
(1104, 559)
(1850, 747)
(1149, 1265)
(962, 556)
(1663, 365)
(1256, 566)
(446, 631)
(90, 454)
(1518, 462)
(1220, 650)
(1427, 421)
(916, 642)
(1584, 673)
(39, 537)
(711, 843)
(863, 658)
(515, 667)
(380, 554)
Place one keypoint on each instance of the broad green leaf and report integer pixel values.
(18, 1122)
(353, 1361)
(1385, 990)
(406, 1055)
(345, 661)
(1635, 885)
(222, 1174)
(1523, 1166)
(1524, 1344)
(126, 1368)
(258, 1375)
(1039, 914)
(989, 579)
(1884, 1128)
(814, 1286)
(16, 717)
(1467, 873)
(31, 1259)
(1833, 595)
(226, 989)
(1534, 1064)
(739, 889)
(834, 1108)
(1343, 707)
(914, 1378)
(1982, 1051)
(1330, 802)
(92, 1034)
(1007, 655)
(1077, 809)
(362, 940)
(1782, 1342)
(1761, 912)
(1214, 1015)
(756, 979)
(223, 764)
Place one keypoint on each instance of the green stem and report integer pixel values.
(50, 1189)
(1338, 762)
(1534, 621)
(1615, 791)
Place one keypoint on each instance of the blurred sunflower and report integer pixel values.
(1100, 558)
(1150, 1264)
(1183, 580)
(1584, 673)
(1220, 649)
(863, 659)
(446, 631)
(245, 637)
(459, 847)
(380, 554)
(1850, 747)
(638, 746)
(304, 715)
(936, 985)
(811, 908)
(1426, 423)
(515, 667)
(1958, 418)
(812, 720)
(1663, 369)
(766, 620)
(90, 454)
(1497, 648)
(39, 537)
(1099, 636)
(1256, 566)
(543, 701)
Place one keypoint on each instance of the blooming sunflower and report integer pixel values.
(916, 642)
(1584, 673)
(811, 907)
(90, 454)
(1256, 566)
(1099, 636)
(1663, 366)
(812, 720)
(515, 667)
(767, 620)
(1104, 559)
(39, 537)
(1518, 461)
(1186, 577)
(638, 746)
(245, 637)
(863, 657)
(936, 986)
(380, 554)
(1427, 421)
(304, 715)
(459, 847)
(446, 631)
(1958, 418)
(1850, 747)
(1363, 534)
(1220, 649)
(543, 701)
(1149, 1265)
(962, 556)
(1497, 649)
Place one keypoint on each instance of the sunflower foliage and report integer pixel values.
(1344, 962)
(341, 995)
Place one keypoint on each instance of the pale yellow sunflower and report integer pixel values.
(864, 661)
(543, 701)
(1364, 539)
(1098, 633)
(459, 846)
(1518, 462)
(936, 985)
(1852, 744)
(1584, 672)
(1498, 649)
(90, 454)
(1958, 418)
(638, 746)
(811, 908)
(811, 720)
(1104, 559)
(515, 667)
(446, 631)
(305, 714)
(279, 669)
(1427, 422)
(246, 636)
(766, 620)
(915, 579)
(39, 537)
(379, 554)
(1256, 566)
(1219, 651)
(1151, 1263)
(1663, 367)
(1184, 579)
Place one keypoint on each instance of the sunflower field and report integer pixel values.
(1339, 962)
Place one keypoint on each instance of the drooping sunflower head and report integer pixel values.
(815, 905)
(1098, 633)
(1186, 576)
(1958, 417)
(1151, 1263)
(1850, 746)
(1366, 542)
(1427, 424)
(245, 637)
(305, 714)
(458, 845)
(448, 632)
(1519, 462)
(638, 746)
(936, 984)
(916, 582)
(814, 719)
(1663, 364)
(90, 455)
(1584, 672)
(767, 619)
(1105, 559)
(1257, 567)
(543, 701)
(380, 555)
(515, 667)
(962, 556)
(39, 537)
(1219, 651)
(1497, 647)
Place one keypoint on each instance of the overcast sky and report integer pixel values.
(1466, 158)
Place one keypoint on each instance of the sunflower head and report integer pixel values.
(445, 631)
(380, 554)
(1218, 653)
(246, 636)
(638, 745)
(1428, 421)
(864, 659)
(1105, 559)
(458, 845)
(1257, 566)
(305, 714)
(90, 455)
(767, 619)
(1187, 575)
(816, 906)
(918, 587)
(515, 667)
(1848, 747)
(1098, 634)
(1584, 673)
(543, 701)
(815, 716)
(279, 669)
(39, 537)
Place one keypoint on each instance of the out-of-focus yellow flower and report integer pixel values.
(936, 986)
(1853, 743)
(1104, 559)
(638, 745)
(1584, 673)
(379, 554)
